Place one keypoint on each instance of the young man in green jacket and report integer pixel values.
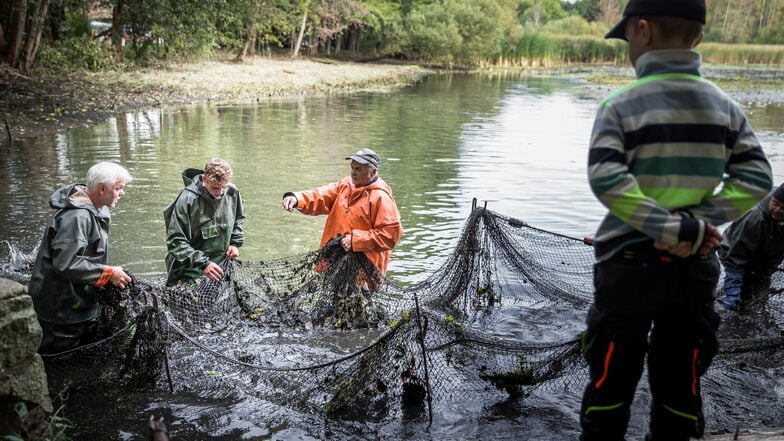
(671, 157)
(203, 224)
(72, 259)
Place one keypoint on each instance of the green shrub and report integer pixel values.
(575, 25)
(74, 54)
(771, 35)
(76, 25)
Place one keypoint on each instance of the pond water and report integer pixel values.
(516, 143)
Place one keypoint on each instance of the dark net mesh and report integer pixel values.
(323, 333)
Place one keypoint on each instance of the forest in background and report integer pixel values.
(61, 36)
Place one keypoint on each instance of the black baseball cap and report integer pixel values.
(690, 9)
(366, 156)
(779, 193)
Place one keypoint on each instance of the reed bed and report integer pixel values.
(540, 49)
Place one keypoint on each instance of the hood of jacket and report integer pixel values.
(376, 184)
(191, 178)
(74, 196)
(189, 175)
(764, 205)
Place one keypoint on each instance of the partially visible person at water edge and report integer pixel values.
(72, 259)
(360, 208)
(752, 250)
(203, 224)
(659, 150)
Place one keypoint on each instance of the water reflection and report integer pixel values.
(518, 143)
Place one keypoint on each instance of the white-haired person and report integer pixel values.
(72, 260)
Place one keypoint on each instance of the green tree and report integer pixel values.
(17, 22)
(456, 30)
(773, 34)
(432, 34)
(407, 6)
(576, 26)
(26, 25)
(332, 19)
(539, 12)
(384, 32)
(256, 23)
(167, 28)
(302, 8)
(478, 22)
(743, 21)
(587, 9)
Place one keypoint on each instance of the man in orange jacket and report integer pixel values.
(359, 207)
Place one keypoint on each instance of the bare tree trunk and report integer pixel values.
(715, 16)
(295, 49)
(353, 40)
(250, 36)
(16, 29)
(34, 36)
(537, 13)
(609, 11)
(2, 40)
(252, 48)
(773, 7)
(726, 17)
(118, 24)
(249, 40)
(745, 32)
(9, 137)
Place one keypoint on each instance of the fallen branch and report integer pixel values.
(7, 129)
(16, 73)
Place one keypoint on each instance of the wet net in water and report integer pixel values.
(322, 333)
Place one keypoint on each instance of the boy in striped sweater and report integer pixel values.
(671, 157)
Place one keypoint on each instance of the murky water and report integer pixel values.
(518, 144)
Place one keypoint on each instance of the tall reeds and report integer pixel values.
(719, 53)
(536, 48)
(542, 49)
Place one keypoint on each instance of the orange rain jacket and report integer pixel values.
(368, 213)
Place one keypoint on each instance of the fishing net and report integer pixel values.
(321, 332)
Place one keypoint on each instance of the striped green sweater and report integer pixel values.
(669, 153)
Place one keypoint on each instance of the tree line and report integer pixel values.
(94, 34)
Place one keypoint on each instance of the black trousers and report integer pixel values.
(59, 337)
(649, 302)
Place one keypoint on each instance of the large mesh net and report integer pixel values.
(322, 333)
